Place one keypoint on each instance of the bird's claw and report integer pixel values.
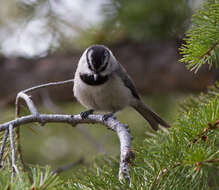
(107, 116)
(85, 114)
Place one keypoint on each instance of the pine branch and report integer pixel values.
(202, 40)
(203, 135)
(209, 51)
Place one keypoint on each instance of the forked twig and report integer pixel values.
(126, 154)
(122, 130)
(33, 110)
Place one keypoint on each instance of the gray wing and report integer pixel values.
(127, 80)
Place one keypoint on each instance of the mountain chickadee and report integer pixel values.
(102, 84)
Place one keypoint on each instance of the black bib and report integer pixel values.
(89, 79)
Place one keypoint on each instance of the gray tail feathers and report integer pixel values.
(153, 119)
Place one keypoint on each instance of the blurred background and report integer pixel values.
(41, 41)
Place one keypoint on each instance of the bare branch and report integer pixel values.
(48, 85)
(122, 130)
(29, 102)
(32, 108)
(12, 151)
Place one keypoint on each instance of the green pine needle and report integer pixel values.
(202, 40)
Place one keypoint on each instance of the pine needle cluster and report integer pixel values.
(202, 40)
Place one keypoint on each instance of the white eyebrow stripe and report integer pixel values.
(89, 53)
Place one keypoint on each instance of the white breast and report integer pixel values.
(110, 96)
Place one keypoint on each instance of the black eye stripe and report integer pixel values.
(104, 67)
(105, 57)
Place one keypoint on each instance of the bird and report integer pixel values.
(102, 84)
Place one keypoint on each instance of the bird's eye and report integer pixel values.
(106, 54)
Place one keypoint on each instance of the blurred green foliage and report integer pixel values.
(139, 21)
(145, 20)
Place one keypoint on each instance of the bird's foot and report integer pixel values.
(85, 114)
(107, 116)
